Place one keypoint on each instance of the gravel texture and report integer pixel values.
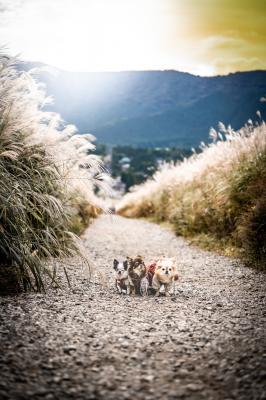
(88, 342)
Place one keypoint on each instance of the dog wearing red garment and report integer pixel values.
(162, 276)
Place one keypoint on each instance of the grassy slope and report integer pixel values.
(216, 198)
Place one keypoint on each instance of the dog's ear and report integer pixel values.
(129, 260)
(139, 260)
(130, 264)
(115, 264)
(125, 265)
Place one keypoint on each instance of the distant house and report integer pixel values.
(124, 160)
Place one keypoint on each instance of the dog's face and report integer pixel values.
(138, 266)
(166, 270)
(120, 269)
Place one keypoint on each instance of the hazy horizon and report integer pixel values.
(134, 70)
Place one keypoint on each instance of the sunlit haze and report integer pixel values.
(202, 37)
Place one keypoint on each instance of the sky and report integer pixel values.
(203, 37)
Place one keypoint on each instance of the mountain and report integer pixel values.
(155, 108)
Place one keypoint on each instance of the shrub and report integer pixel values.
(217, 195)
(43, 164)
(251, 226)
(82, 215)
(34, 224)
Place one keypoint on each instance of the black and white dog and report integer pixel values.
(121, 276)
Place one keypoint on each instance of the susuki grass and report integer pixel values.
(217, 198)
(46, 175)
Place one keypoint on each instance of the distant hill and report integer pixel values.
(155, 108)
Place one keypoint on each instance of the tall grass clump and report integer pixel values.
(46, 173)
(216, 197)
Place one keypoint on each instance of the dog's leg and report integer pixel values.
(143, 287)
(162, 288)
(147, 288)
(166, 288)
(174, 289)
(144, 291)
(128, 289)
(156, 286)
(118, 287)
(131, 290)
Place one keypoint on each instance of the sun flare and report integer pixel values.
(97, 35)
(108, 35)
(114, 34)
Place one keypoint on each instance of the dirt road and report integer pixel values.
(88, 342)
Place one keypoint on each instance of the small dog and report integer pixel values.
(121, 276)
(165, 275)
(137, 275)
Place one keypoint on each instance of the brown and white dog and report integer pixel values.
(121, 276)
(165, 275)
(137, 276)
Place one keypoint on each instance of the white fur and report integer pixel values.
(121, 274)
(144, 285)
(165, 282)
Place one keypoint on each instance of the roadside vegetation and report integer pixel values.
(47, 179)
(216, 198)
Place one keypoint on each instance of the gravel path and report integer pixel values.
(88, 342)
